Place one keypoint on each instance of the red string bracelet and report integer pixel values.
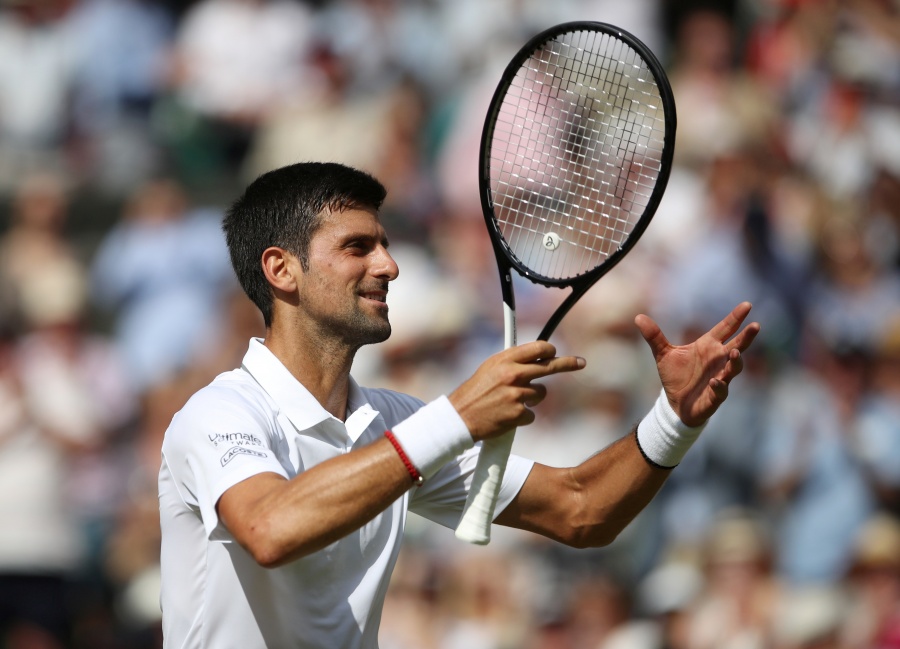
(417, 477)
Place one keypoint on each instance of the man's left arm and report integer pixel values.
(588, 505)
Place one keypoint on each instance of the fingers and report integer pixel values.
(721, 332)
(743, 340)
(498, 397)
(652, 334)
(734, 365)
(731, 323)
(720, 389)
(535, 393)
(537, 359)
(533, 361)
(530, 352)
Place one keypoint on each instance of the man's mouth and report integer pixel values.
(376, 295)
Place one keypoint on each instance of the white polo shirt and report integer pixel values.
(259, 419)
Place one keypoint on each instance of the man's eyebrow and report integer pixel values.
(366, 237)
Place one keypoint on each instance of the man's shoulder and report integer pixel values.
(232, 397)
(234, 387)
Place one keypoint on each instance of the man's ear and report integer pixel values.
(281, 268)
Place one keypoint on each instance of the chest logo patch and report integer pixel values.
(240, 439)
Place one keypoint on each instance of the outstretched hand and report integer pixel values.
(695, 377)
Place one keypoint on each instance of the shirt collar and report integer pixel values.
(295, 401)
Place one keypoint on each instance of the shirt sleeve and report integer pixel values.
(442, 497)
(216, 441)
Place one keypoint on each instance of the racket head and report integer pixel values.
(576, 152)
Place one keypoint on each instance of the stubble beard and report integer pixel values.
(349, 327)
(360, 329)
(353, 328)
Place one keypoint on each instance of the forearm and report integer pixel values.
(614, 486)
(590, 504)
(289, 519)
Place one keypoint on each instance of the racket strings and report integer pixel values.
(576, 153)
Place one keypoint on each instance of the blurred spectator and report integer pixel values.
(741, 594)
(874, 581)
(163, 271)
(234, 63)
(787, 50)
(121, 52)
(878, 431)
(33, 595)
(65, 397)
(409, 617)
(883, 209)
(738, 243)
(867, 47)
(810, 617)
(39, 213)
(377, 130)
(666, 597)
(836, 141)
(721, 109)
(814, 484)
(483, 601)
(855, 295)
(131, 564)
(36, 77)
(599, 608)
(383, 41)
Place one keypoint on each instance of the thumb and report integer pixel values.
(652, 334)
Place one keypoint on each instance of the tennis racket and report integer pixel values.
(575, 156)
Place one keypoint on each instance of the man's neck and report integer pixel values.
(323, 367)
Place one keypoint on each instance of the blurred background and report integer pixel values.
(127, 126)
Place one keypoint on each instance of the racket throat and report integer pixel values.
(563, 309)
(509, 326)
(509, 309)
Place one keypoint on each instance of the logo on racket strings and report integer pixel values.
(551, 241)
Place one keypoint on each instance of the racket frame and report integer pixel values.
(477, 517)
(506, 258)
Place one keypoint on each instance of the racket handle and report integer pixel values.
(478, 514)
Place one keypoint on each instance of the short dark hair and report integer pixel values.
(283, 208)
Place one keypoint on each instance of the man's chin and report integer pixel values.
(382, 335)
(375, 334)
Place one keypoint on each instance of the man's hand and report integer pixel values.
(695, 377)
(498, 397)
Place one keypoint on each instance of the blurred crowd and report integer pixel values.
(127, 126)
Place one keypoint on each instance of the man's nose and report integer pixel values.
(385, 266)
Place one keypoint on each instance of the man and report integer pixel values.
(283, 499)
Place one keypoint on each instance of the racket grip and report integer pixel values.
(478, 514)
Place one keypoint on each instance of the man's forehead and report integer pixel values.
(350, 222)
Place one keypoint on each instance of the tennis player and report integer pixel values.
(284, 485)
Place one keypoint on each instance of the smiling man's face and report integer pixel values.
(346, 284)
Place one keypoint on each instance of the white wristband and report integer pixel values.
(662, 437)
(433, 436)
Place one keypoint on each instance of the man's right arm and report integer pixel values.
(279, 520)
